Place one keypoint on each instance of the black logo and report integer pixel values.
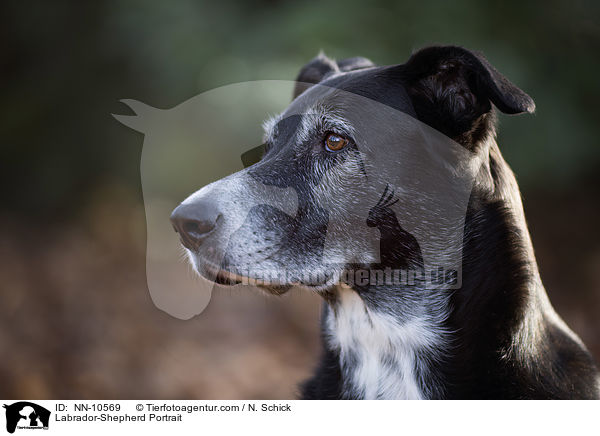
(26, 415)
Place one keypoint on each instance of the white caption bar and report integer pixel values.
(297, 417)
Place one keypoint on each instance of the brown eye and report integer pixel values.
(334, 142)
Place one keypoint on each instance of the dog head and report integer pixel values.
(352, 135)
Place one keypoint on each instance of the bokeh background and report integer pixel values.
(76, 320)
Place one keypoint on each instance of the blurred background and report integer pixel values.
(76, 320)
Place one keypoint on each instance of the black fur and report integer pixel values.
(507, 342)
(398, 248)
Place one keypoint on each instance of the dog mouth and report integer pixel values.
(229, 277)
(224, 277)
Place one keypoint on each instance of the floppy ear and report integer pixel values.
(452, 90)
(316, 70)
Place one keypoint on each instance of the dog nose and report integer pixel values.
(194, 222)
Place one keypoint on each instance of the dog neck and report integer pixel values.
(383, 355)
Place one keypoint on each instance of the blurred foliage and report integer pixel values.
(65, 66)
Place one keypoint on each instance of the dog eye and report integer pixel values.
(335, 142)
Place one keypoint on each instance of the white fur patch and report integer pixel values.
(379, 355)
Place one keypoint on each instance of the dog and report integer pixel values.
(493, 335)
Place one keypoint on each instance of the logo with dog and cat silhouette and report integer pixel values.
(387, 211)
(25, 415)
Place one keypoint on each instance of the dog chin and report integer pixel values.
(223, 277)
(229, 277)
(209, 271)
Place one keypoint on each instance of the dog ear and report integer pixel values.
(313, 72)
(355, 63)
(316, 70)
(452, 90)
